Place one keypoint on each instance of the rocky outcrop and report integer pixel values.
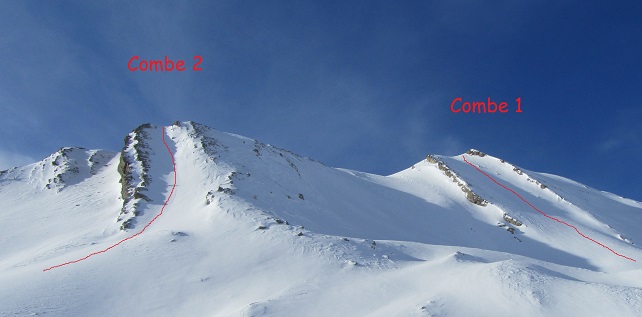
(536, 182)
(511, 220)
(474, 198)
(285, 154)
(210, 146)
(431, 159)
(521, 173)
(125, 171)
(471, 196)
(475, 153)
(133, 168)
(224, 190)
(64, 167)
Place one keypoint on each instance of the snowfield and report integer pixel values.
(254, 230)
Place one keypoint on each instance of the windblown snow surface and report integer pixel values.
(254, 230)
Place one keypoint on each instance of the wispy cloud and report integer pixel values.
(12, 159)
(625, 133)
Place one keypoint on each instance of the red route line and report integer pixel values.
(544, 214)
(130, 237)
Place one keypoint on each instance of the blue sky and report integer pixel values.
(364, 85)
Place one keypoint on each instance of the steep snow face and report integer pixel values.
(254, 230)
(65, 201)
(585, 209)
(142, 161)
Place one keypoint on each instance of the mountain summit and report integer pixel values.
(254, 230)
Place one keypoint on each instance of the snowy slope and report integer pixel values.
(254, 230)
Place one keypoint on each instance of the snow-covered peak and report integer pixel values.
(67, 166)
(251, 230)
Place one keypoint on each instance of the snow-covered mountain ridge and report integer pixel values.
(254, 230)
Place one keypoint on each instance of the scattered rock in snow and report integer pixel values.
(127, 224)
(624, 238)
(209, 198)
(281, 221)
(228, 191)
(68, 166)
(474, 198)
(431, 159)
(511, 220)
(177, 234)
(470, 194)
(475, 152)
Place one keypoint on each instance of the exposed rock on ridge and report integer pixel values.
(470, 194)
(133, 169)
(67, 166)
